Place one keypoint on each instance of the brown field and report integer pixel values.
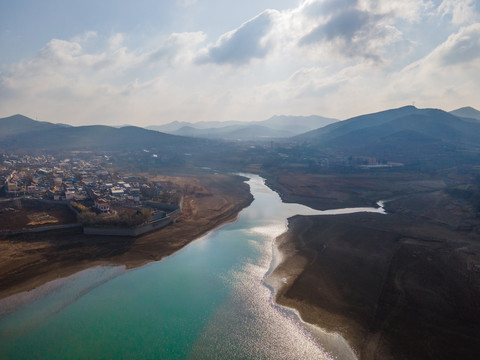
(28, 213)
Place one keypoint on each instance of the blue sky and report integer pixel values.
(152, 62)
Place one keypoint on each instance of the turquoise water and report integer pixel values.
(207, 301)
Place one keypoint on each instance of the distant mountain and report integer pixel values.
(254, 132)
(404, 134)
(275, 127)
(18, 124)
(168, 128)
(233, 132)
(174, 126)
(20, 132)
(206, 132)
(356, 123)
(467, 112)
(296, 124)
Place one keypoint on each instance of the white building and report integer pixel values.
(102, 205)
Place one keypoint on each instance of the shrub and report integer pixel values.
(79, 207)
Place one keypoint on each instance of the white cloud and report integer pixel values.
(351, 28)
(460, 11)
(445, 78)
(447, 75)
(116, 41)
(85, 37)
(64, 75)
(240, 46)
(460, 48)
(178, 48)
(409, 10)
(113, 84)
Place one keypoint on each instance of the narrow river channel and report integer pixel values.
(207, 301)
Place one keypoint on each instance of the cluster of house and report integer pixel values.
(24, 175)
(45, 177)
(103, 193)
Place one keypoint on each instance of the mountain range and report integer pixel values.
(20, 132)
(273, 128)
(406, 134)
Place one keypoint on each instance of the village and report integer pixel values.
(98, 195)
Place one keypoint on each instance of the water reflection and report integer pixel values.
(207, 301)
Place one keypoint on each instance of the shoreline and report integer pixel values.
(327, 327)
(388, 286)
(287, 264)
(278, 281)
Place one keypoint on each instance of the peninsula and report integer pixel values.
(30, 259)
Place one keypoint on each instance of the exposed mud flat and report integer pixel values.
(405, 285)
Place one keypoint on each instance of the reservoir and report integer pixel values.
(207, 301)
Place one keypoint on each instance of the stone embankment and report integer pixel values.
(172, 213)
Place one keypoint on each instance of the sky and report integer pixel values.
(117, 62)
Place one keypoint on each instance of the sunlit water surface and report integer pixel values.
(207, 301)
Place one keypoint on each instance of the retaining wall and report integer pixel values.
(137, 231)
(40, 229)
(107, 231)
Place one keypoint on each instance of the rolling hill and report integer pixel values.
(405, 134)
(20, 132)
(18, 124)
